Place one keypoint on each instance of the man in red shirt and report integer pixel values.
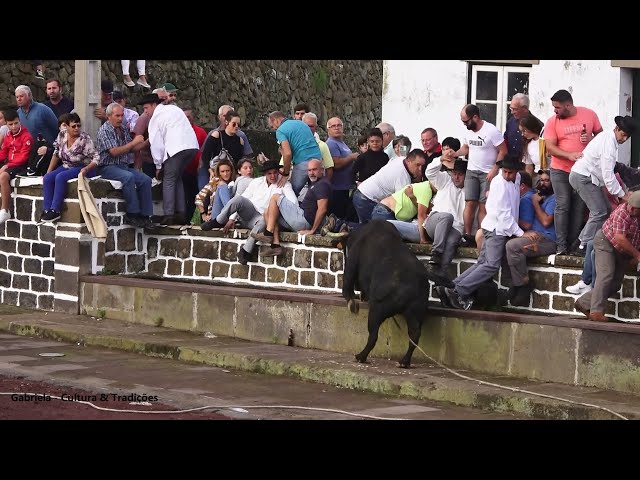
(190, 173)
(14, 156)
(615, 245)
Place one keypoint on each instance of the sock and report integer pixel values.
(268, 233)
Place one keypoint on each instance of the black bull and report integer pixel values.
(390, 278)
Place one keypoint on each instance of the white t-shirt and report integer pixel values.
(532, 155)
(483, 147)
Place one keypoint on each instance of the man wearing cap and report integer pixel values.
(106, 87)
(250, 206)
(172, 93)
(536, 218)
(596, 168)
(616, 244)
(499, 224)
(173, 145)
(114, 145)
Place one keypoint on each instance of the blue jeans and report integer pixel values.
(382, 212)
(220, 199)
(407, 230)
(364, 206)
(589, 269)
(55, 186)
(136, 188)
(299, 176)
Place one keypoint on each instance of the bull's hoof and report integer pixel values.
(353, 306)
(361, 358)
(404, 364)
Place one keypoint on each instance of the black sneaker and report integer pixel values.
(562, 251)
(444, 300)
(468, 241)
(456, 300)
(436, 259)
(243, 256)
(211, 224)
(579, 252)
(51, 216)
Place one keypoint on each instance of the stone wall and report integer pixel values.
(308, 264)
(350, 89)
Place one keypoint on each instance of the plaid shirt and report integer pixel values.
(108, 137)
(622, 222)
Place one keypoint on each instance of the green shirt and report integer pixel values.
(405, 209)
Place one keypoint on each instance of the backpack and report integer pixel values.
(38, 165)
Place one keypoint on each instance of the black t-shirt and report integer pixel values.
(317, 191)
(64, 106)
(368, 163)
(212, 147)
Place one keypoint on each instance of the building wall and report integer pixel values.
(430, 93)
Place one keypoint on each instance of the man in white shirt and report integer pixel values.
(485, 146)
(594, 169)
(250, 206)
(173, 145)
(499, 225)
(388, 180)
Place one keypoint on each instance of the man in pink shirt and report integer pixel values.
(566, 135)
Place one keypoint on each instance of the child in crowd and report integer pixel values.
(363, 146)
(217, 189)
(242, 181)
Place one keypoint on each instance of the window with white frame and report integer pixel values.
(493, 87)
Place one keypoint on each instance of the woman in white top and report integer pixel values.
(531, 129)
(3, 126)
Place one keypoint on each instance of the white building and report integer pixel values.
(417, 94)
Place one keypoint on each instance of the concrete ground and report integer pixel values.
(426, 381)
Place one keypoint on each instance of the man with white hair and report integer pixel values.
(519, 108)
(36, 117)
(388, 136)
(311, 119)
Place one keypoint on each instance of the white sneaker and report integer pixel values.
(4, 216)
(579, 288)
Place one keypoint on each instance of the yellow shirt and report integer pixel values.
(405, 209)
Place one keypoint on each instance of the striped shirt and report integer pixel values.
(622, 222)
(109, 137)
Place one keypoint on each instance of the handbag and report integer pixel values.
(223, 155)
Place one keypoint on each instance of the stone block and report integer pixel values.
(152, 247)
(24, 209)
(302, 258)
(202, 269)
(326, 280)
(126, 239)
(44, 250)
(628, 310)
(292, 277)
(112, 297)
(3, 261)
(47, 233)
(5, 279)
(629, 288)
(39, 284)
(228, 251)
(269, 321)
(340, 279)
(114, 220)
(71, 213)
(28, 300)
(13, 229)
(285, 260)
(540, 300)
(15, 263)
(240, 272)
(166, 308)
(10, 297)
(209, 249)
(139, 242)
(336, 262)
(45, 302)
(187, 268)
(29, 232)
(257, 273)
(168, 247)
(569, 279)
(135, 263)
(108, 208)
(115, 264)
(24, 248)
(8, 246)
(174, 267)
(157, 267)
(308, 278)
(183, 248)
(66, 282)
(214, 314)
(562, 302)
(275, 275)
(110, 242)
(543, 352)
(265, 260)
(219, 269)
(20, 282)
(47, 267)
(547, 281)
(321, 260)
